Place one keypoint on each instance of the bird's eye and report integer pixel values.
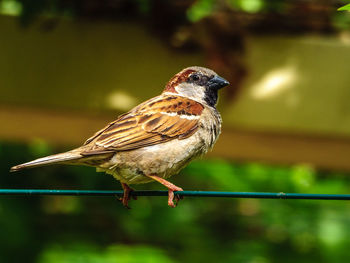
(195, 77)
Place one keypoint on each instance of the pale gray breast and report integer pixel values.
(211, 126)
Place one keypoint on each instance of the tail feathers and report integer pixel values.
(66, 157)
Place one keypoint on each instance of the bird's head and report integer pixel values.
(197, 83)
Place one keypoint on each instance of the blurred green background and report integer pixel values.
(69, 67)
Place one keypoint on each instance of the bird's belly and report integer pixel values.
(163, 160)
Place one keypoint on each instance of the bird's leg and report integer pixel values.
(126, 195)
(171, 188)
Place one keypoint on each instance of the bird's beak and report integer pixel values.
(218, 82)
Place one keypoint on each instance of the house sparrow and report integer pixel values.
(157, 138)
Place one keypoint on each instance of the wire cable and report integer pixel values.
(262, 195)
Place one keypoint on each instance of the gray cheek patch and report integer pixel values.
(191, 91)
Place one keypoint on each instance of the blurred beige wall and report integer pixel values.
(296, 84)
(82, 65)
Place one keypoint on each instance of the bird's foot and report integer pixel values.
(126, 195)
(172, 196)
(171, 189)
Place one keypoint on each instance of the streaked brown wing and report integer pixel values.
(156, 121)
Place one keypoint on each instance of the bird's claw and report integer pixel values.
(172, 196)
(126, 195)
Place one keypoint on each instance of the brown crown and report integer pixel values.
(177, 79)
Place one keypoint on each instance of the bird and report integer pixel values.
(155, 139)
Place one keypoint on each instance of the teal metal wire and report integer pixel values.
(31, 192)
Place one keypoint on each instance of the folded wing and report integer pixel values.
(157, 121)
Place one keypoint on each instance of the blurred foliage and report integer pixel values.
(200, 9)
(344, 8)
(56, 229)
(90, 253)
(171, 16)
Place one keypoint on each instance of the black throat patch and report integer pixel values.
(211, 96)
